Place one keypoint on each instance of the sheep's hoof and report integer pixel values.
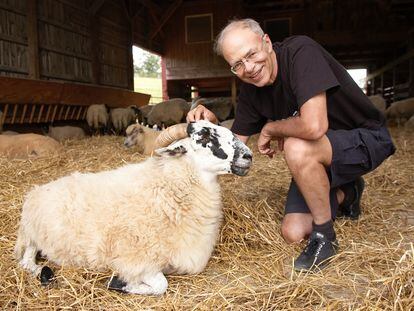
(116, 283)
(46, 276)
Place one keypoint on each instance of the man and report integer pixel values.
(296, 93)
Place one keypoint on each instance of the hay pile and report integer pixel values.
(251, 266)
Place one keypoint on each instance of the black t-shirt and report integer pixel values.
(305, 69)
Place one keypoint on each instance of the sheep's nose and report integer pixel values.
(247, 156)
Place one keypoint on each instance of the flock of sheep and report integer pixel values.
(99, 119)
(143, 220)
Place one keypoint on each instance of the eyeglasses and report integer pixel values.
(252, 57)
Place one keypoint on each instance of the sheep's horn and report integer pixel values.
(171, 134)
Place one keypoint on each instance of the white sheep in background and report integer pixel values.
(97, 117)
(10, 133)
(121, 118)
(141, 220)
(402, 109)
(23, 146)
(61, 133)
(379, 102)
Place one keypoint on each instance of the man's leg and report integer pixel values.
(307, 161)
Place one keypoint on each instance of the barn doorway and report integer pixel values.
(147, 74)
(359, 75)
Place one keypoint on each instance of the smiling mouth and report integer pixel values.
(256, 74)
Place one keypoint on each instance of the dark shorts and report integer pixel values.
(354, 153)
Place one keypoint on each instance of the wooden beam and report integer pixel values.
(32, 40)
(151, 5)
(390, 65)
(95, 6)
(166, 16)
(20, 91)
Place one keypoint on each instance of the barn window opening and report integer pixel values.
(359, 75)
(147, 74)
(199, 28)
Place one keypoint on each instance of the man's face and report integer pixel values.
(256, 54)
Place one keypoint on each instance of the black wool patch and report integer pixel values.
(207, 136)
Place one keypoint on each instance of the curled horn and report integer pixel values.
(171, 134)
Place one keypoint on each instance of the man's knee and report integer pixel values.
(295, 150)
(295, 229)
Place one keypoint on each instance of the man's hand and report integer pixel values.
(201, 113)
(264, 146)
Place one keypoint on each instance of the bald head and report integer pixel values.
(247, 24)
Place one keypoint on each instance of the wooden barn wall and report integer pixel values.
(13, 38)
(72, 44)
(197, 60)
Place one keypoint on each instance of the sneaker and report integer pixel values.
(316, 253)
(353, 209)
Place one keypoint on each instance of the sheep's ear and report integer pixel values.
(171, 151)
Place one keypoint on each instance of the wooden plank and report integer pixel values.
(54, 113)
(49, 108)
(6, 109)
(79, 112)
(95, 48)
(40, 113)
(76, 94)
(66, 113)
(14, 113)
(32, 113)
(60, 112)
(32, 40)
(18, 90)
(23, 113)
(166, 16)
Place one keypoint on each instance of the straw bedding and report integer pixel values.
(251, 266)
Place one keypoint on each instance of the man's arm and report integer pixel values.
(310, 124)
(243, 138)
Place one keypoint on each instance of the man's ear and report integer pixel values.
(171, 151)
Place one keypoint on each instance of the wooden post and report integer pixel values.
(164, 80)
(32, 40)
(234, 93)
(130, 59)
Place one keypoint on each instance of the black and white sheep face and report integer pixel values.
(218, 149)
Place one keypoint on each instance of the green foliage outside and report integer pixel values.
(147, 75)
(151, 86)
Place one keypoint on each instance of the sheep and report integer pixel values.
(401, 109)
(220, 106)
(61, 133)
(144, 111)
(142, 137)
(10, 133)
(170, 112)
(97, 117)
(122, 117)
(379, 102)
(23, 146)
(141, 220)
